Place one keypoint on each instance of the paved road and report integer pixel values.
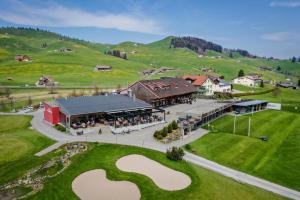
(242, 177)
(50, 148)
(146, 140)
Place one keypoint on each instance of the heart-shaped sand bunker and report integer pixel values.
(164, 177)
(93, 185)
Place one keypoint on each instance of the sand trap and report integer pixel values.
(164, 177)
(93, 185)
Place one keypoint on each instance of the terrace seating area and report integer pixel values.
(117, 122)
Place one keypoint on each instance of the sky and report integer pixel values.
(263, 27)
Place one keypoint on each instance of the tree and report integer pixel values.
(174, 125)
(278, 68)
(164, 132)
(261, 84)
(299, 59)
(294, 59)
(175, 153)
(170, 128)
(298, 83)
(230, 55)
(241, 73)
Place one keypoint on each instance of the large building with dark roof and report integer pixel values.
(102, 108)
(163, 92)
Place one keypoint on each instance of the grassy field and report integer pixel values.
(289, 98)
(18, 144)
(205, 184)
(276, 160)
(76, 68)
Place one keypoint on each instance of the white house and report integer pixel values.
(221, 86)
(208, 85)
(250, 81)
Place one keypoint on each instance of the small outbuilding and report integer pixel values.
(45, 81)
(250, 106)
(102, 68)
(22, 58)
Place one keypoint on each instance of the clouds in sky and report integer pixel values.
(55, 15)
(285, 4)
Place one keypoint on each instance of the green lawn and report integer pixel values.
(205, 184)
(18, 144)
(76, 68)
(277, 160)
(289, 98)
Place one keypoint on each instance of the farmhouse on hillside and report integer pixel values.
(45, 81)
(208, 85)
(249, 80)
(220, 85)
(163, 92)
(265, 68)
(102, 68)
(22, 58)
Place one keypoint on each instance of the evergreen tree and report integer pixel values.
(278, 68)
(294, 59)
(241, 73)
(261, 84)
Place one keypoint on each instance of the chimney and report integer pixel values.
(129, 92)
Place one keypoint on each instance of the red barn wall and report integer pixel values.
(51, 114)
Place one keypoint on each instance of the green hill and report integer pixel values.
(76, 68)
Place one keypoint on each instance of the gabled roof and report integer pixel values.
(167, 87)
(197, 80)
(101, 103)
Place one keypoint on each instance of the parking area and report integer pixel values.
(199, 106)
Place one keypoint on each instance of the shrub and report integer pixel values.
(170, 128)
(155, 134)
(159, 137)
(174, 125)
(60, 128)
(188, 146)
(175, 153)
(164, 132)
